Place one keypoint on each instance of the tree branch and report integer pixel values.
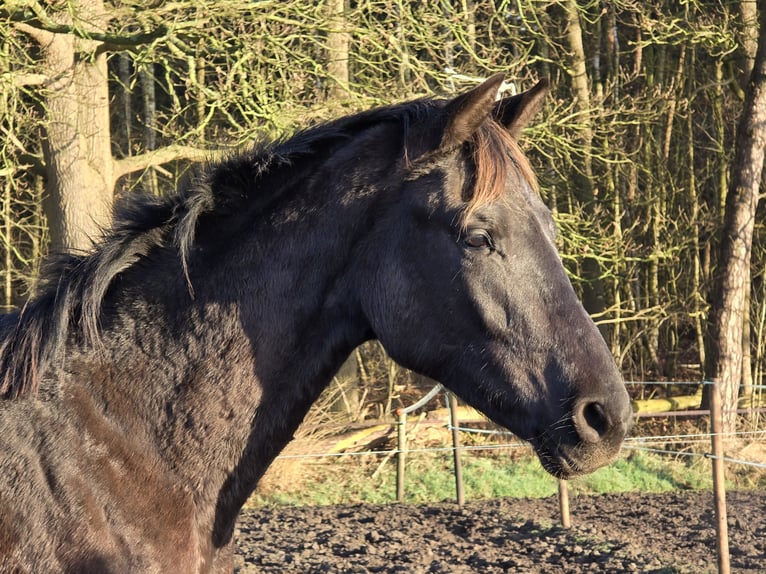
(23, 80)
(42, 37)
(33, 20)
(160, 156)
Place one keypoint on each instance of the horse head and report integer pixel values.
(470, 290)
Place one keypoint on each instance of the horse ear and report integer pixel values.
(516, 112)
(468, 111)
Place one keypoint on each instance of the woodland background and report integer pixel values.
(635, 148)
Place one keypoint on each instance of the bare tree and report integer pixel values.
(72, 77)
(77, 140)
(728, 305)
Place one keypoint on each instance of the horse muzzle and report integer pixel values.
(587, 439)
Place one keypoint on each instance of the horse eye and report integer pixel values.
(478, 240)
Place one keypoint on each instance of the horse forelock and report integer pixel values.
(497, 157)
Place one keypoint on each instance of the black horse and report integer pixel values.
(149, 383)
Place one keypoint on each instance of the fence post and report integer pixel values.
(456, 449)
(719, 488)
(566, 520)
(400, 454)
(402, 435)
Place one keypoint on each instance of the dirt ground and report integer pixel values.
(660, 533)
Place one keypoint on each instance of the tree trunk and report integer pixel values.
(149, 178)
(748, 41)
(5, 179)
(593, 287)
(581, 90)
(727, 309)
(77, 143)
(404, 57)
(123, 71)
(338, 43)
(748, 38)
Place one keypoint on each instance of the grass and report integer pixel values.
(430, 478)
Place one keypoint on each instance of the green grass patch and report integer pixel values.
(430, 478)
(646, 472)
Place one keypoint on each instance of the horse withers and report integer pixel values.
(149, 383)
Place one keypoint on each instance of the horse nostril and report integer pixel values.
(591, 421)
(595, 417)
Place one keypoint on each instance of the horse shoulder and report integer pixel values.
(79, 494)
(150, 510)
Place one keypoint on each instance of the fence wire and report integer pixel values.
(631, 443)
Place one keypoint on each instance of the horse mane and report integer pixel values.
(71, 289)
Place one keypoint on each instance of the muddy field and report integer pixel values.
(611, 533)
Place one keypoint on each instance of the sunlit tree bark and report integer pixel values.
(338, 42)
(80, 171)
(77, 142)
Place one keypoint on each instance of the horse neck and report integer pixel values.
(272, 318)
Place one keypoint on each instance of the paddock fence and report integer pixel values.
(649, 444)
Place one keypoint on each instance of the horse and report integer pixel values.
(149, 381)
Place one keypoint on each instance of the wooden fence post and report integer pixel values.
(566, 520)
(400, 454)
(456, 449)
(402, 438)
(719, 488)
